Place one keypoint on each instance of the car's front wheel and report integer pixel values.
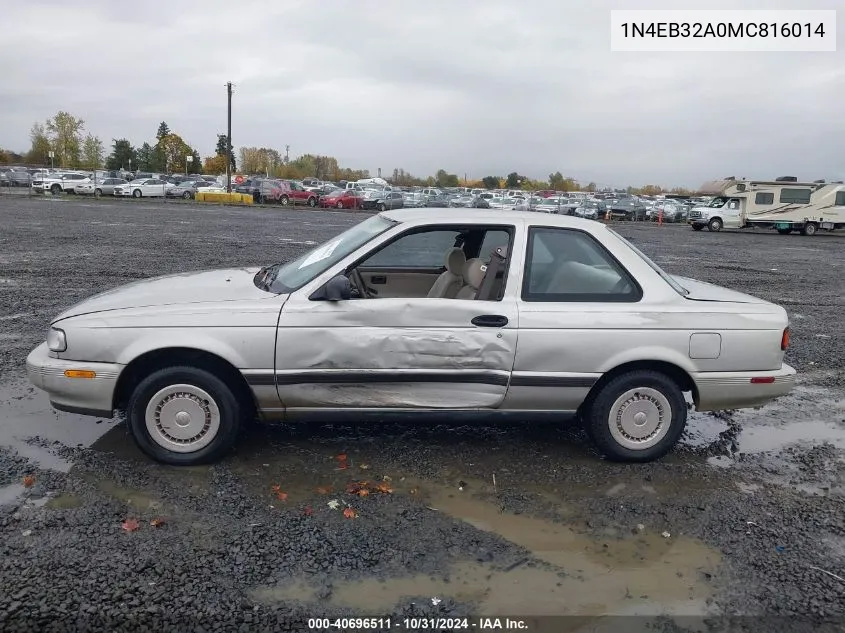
(637, 417)
(136, 193)
(312, 202)
(184, 416)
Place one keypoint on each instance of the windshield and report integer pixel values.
(663, 274)
(717, 202)
(293, 275)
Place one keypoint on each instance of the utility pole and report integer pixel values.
(287, 154)
(229, 138)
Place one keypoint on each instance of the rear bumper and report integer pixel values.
(735, 390)
(91, 396)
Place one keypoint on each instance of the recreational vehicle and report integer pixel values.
(783, 204)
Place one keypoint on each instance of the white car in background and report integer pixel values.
(100, 187)
(143, 187)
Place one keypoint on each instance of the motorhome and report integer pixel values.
(783, 204)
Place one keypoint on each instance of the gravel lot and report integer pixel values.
(500, 520)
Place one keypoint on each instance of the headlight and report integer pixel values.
(56, 340)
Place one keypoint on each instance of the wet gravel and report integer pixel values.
(67, 563)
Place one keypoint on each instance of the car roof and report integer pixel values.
(494, 216)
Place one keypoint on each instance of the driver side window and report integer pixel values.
(443, 263)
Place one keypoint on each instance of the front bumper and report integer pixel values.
(718, 390)
(697, 221)
(88, 396)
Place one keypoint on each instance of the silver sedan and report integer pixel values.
(420, 311)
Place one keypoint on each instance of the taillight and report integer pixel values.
(784, 339)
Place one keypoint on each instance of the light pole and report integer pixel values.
(52, 156)
(188, 159)
(130, 165)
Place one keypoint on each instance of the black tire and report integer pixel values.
(697, 227)
(186, 195)
(56, 190)
(312, 202)
(382, 208)
(98, 193)
(809, 229)
(284, 200)
(715, 225)
(339, 204)
(784, 231)
(230, 410)
(137, 193)
(597, 419)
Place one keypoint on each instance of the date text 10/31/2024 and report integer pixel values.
(416, 624)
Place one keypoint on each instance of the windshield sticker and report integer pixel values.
(320, 254)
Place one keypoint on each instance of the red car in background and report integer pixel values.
(299, 195)
(343, 199)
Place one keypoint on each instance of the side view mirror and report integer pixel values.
(337, 288)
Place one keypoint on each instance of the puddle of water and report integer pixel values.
(11, 493)
(137, 499)
(63, 502)
(643, 574)
(809, 415)
(25, 412)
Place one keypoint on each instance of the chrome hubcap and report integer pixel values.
(640, 418)
(182, 418)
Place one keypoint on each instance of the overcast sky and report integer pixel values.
(470, 86)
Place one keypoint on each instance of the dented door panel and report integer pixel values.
(396, 353)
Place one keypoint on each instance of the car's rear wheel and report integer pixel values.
(339, 204)
(637, 417)
(98, 193)
(284, 200)
(714, 225)
(382, 208)
(809, 229)
(184, 416)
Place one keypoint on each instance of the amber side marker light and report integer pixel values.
(784, 340)
(80, 373)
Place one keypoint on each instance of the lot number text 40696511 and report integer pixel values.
(775, 31)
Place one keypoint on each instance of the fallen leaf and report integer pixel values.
(341, 457)
(282, 496)
(28, 481)
(364, 467)
(363, 492)
(308, 511)
(333, 504)
(157, 522)
(349, 513)
(384, 488)
(354, 487)
(341, 461)
(130, 525)
(276, 489)
(386, 478)
(322, 490)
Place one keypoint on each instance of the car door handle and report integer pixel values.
(490, 320)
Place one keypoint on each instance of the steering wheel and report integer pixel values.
(358, 280)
